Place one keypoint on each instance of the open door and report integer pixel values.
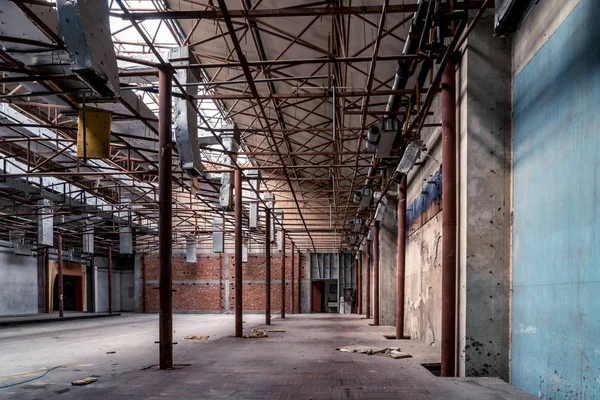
(317, 297)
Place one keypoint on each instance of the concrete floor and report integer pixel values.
(300, 363)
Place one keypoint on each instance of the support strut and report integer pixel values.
(376, 274)
(449, 220)
(401, 254)
(239, 305)
(368, 281)
(268, 266)
(165, 224)
(283, 273)
(61, 301)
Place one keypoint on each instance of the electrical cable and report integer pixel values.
(32, 379)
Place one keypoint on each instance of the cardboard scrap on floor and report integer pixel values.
(84, 381)
(196, 337)
(256, 333)
(393, 352)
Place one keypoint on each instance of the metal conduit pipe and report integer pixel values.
(403, 68)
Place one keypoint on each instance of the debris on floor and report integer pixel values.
(275, 330)
(196, 337)
(393, 352)
(110, 352)
(84, 381)
(256, 333)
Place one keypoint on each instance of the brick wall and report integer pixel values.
(208, 285)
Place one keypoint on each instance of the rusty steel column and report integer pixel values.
(299, 283)
(376, 274)
(239, 305)
(283, 273)
(368, 281)
(449, 220)
(293, 261)
(401, 258)
(109, 279)
(143, 265)
(359, 283)
(268, 266)
(165, 223)
(61, 301)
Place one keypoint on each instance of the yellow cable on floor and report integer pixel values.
(39, 370)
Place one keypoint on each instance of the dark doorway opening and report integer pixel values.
(318, 287)
(72, 293)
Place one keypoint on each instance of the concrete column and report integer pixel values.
(484, 217)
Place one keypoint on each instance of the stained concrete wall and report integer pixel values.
(388, 265)
(423, 290)
(18, 284)
(423, 306)
(556, 278)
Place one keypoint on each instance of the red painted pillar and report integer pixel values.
(401, 262)
(449, 220)
(110, 280)
(283, 273)
(376, 274)
(268, 266)
(368, 281)
(299, 283)
(165, 223)
(61, 301)
(359, 283)
(239, 305)
(293, 291)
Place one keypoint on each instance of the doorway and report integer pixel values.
(318, 287)
(325, 296)
(72, 293)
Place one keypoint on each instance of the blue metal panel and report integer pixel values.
(431, 191)
(556, 256)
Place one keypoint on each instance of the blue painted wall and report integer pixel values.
(556, 255)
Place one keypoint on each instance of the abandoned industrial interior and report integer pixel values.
(302, 199)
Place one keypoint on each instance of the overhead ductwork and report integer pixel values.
(45, 223)
(185, 116)
(404, 68)
(85, 29)
(356, 224)
(509, 15)
(254, 181)
(218, 235)
(190, 250)
(363, 197)
(381, 136)
(231, 141)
